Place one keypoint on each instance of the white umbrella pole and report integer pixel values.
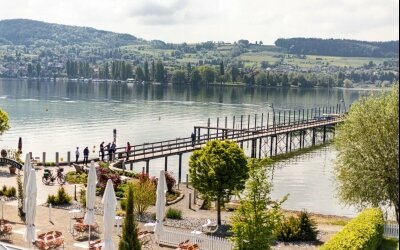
(89, 238)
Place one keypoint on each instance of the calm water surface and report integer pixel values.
(58, 116)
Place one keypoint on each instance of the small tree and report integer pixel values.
(217, 170)
(144, 195)
(254, 222)
(3, 121)
(129, 239)
(367, 169)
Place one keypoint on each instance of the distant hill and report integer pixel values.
(339, 47)
(30, 32)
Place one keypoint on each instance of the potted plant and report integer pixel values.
(12, 169)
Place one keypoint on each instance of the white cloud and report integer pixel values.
(219, 20)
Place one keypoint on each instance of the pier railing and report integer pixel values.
(206, 133)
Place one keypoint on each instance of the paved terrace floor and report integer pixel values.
(61, 218)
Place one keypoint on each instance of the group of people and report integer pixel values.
(85, 155)
(110, 148)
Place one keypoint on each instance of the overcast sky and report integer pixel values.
(220, 20)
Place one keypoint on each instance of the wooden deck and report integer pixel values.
(149, 151)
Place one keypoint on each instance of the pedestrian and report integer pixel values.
(113, 149)
(85, 156)
(102, 151)
(193, 136)
(77, 155)
(128, 150)
(109, 151)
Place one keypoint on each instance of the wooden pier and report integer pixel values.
(289, 130)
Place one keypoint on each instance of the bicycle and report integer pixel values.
(49, 177)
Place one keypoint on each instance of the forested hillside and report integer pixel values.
(339, 47)
(36, 33)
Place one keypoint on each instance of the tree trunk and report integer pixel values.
(396, 209)
(219, 211)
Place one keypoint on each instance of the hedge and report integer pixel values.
(363, 232)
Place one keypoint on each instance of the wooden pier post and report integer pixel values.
(44, 158)
(284, 118)
(324, 136)
(304, 135)
(57, 160)
(279, 118)
(313, 136)
(147, 167)
(262, 120)
(290, 142)
(259, 148)
(255, 121)
(287, 142)
(166, 163)
(208, 130)
(217, 126)
(276, 144)
(270, 146)
(131, 166)
(180, 168)
(233, 126)
(69, 158)
(267, 120)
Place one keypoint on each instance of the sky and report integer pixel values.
(219, 20)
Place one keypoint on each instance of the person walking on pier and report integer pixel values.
(112, 149)
(193, 136)
(77, 155)
(85, 156)
(108, 147)
(102, 151)
(128, 150)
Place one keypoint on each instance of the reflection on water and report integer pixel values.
(58, 116)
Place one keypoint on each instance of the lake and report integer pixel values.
(59, 116)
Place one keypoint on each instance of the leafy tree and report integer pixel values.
(367, 169)
(160, 73)
(139, 74)
(3, 121)
(207, 73)
(189, 69)
(254, 222)
(129, 239)
(153, 70)
(144, 195)
(217, 170)
(38, 68)
(221, 68)
(178, 77)
(146, 71)
(195, 77)
(234, 73)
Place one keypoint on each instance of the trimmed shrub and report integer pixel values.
(75, 178)
(363, 232)
(308, 227)
(173, 213)
(302, 228)
(60, 199)
(12, 192)
(169, 178)
(288, 230)
(82, 197)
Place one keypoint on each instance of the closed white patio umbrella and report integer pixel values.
(90, 196)
(30, 204)
(160, 205)
(27, 169)
(109, 203)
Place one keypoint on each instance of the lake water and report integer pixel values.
(58, 116)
